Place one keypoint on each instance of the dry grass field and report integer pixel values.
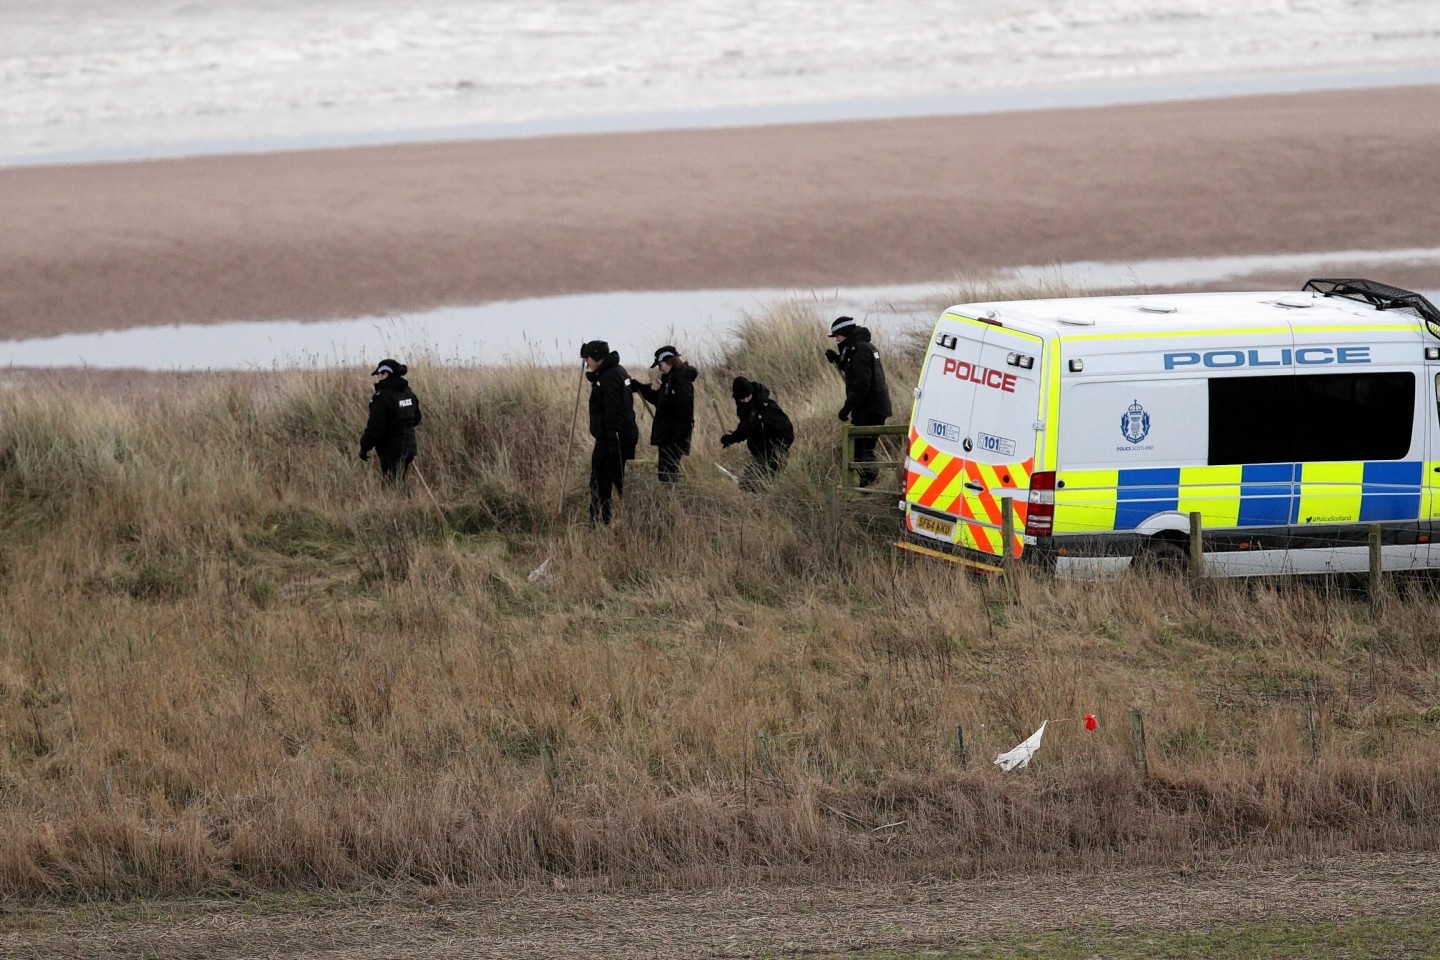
(232, 663)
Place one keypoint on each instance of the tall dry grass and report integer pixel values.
(230, 659)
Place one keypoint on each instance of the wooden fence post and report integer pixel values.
(765, 757)
(1197, 546)
(960, 747)
(547, 760)
(1377, 583)
(848, 477)
(1007, 533)
(1137, 737)
(832, 520)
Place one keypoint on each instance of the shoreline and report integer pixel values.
(404, 228)
(1138, 91)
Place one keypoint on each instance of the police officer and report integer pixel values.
(674, 402)
(867, 400)
(612, 424)
(765, 429)
(394, 415)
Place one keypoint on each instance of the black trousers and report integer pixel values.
(607, 477)
(865, 448)
(394, 468)
(667, 466)
(395, 453)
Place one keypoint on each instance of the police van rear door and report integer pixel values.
(1430, 508)
(974, 434)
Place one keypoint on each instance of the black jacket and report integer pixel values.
(612, 412)
(394, 415)
(764, 427)
(866, 396)
(674, 402)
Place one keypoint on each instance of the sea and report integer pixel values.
(98, 80)
(85, 78)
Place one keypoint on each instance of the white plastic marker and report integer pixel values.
(1020, 757)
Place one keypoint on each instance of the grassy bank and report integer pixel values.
(231, 660)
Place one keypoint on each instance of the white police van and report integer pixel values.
(1291, 422)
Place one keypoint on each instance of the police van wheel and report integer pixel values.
(1160, 555)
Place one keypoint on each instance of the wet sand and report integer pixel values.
(340, 233)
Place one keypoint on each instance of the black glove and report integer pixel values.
(844, 413)
(726, 440)
(364, 454)
(832, 356)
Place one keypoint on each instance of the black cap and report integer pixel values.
(741, 388)
(595, 350)
(666, 352)
(390, 366)
(841, 324)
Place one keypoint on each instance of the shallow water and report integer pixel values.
(542, 330)
(550, 329)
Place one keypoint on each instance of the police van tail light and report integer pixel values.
(1040, 517)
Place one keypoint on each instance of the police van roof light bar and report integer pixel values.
(1381, 296)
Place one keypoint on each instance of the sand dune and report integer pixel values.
(349, 232)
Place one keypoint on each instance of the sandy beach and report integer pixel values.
(320, 235)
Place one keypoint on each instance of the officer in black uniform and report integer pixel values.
(764, 427)
(674, 402)
(867, 400)
(612, 424)
(394, 415)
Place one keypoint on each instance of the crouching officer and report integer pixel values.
(867, 399)
(674, 402)
(394, 415)
(612, 424)
(765, 429)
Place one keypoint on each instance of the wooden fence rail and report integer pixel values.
(850, 472)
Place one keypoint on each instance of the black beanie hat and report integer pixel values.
(393, 367)
(595, 350)
(741, 388)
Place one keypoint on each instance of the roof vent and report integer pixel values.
(1077, 321)
(1158, 308)
(1294, 303)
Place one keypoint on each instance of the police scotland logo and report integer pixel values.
(1135, 424)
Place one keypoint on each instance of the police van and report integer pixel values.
(1291, 422)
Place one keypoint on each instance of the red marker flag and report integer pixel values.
(1090, 722)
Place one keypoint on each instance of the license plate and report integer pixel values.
(934, 526)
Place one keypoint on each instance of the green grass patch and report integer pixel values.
(1415, 937)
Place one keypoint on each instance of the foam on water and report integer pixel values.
(83, 76)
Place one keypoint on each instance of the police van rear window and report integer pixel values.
(1313, 418)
